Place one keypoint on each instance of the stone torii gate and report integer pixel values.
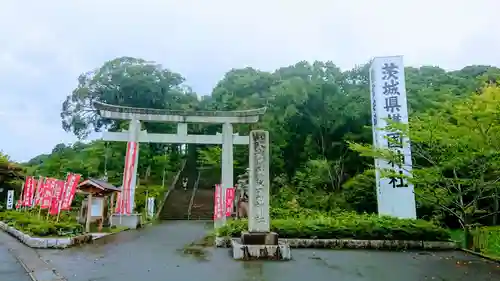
(135, 135)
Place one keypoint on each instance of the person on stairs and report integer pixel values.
(185, 183)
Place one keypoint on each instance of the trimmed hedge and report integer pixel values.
(30, 224)
(347, 226)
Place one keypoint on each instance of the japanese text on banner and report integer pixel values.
(39, 188)
(130, 159)
(218, 213)
(29, 187)
(229, 201)
(56, 197)
(46, 197)
(72, 181)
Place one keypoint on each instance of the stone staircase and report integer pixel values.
(203, 205)
(177, 205)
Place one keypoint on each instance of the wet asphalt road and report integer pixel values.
(10, 269)
(153, 254)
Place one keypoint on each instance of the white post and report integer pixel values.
(182, 129)
(258, 182)
(227, 166)
(10, 199)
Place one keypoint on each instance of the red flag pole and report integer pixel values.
(63, 194)
(22, 196)
(41, 187)
(52, 186)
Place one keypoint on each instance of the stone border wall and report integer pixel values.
(44, 243)
(225, 242)
(481, 255)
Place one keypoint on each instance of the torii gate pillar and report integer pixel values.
(227, 166)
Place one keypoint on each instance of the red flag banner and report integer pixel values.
(46, 196)
(29, 187)
(119, 197)
(39, 191)
(229, 201)
(118, 207)
(57, 193)
(130, 159)
(72, 181)
(218, 210)
(26, 188)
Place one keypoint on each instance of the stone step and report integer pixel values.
(177, 205)
(203, 205)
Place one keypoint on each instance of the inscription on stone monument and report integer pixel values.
(258, 220)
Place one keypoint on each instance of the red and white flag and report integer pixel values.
(29, 189)
(56, 197)
(124, 205)
(229, 201)
(46, 195)
(118, 207)
(72, 181)
(38, 191)
(218, 209)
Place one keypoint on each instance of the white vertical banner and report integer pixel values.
(10, 199)
(151, 206)
(395, 196)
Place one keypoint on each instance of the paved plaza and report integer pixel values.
(155, 254)
(10, 268)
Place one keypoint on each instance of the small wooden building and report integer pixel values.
(100, 200)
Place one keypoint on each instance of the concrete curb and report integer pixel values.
(225, 242)
(491, 258)
(97, 236)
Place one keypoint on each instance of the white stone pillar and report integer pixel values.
(227, 167)
(258, 180)
(182, 129)
(134, 130)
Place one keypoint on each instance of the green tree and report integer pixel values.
(456, 152)
(124, 81)
(11, 176)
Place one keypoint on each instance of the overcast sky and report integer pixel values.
(45, 45)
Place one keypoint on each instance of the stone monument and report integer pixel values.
(259, 242)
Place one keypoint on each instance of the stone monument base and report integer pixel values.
(260, 246)
(259, 238)
(131, 221)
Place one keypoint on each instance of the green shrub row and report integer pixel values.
(346, 226)
(31, 224)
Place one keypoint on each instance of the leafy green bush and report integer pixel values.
(486, 240)
(31, 224)
(347, 226)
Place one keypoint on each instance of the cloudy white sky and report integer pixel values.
(44, 45)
